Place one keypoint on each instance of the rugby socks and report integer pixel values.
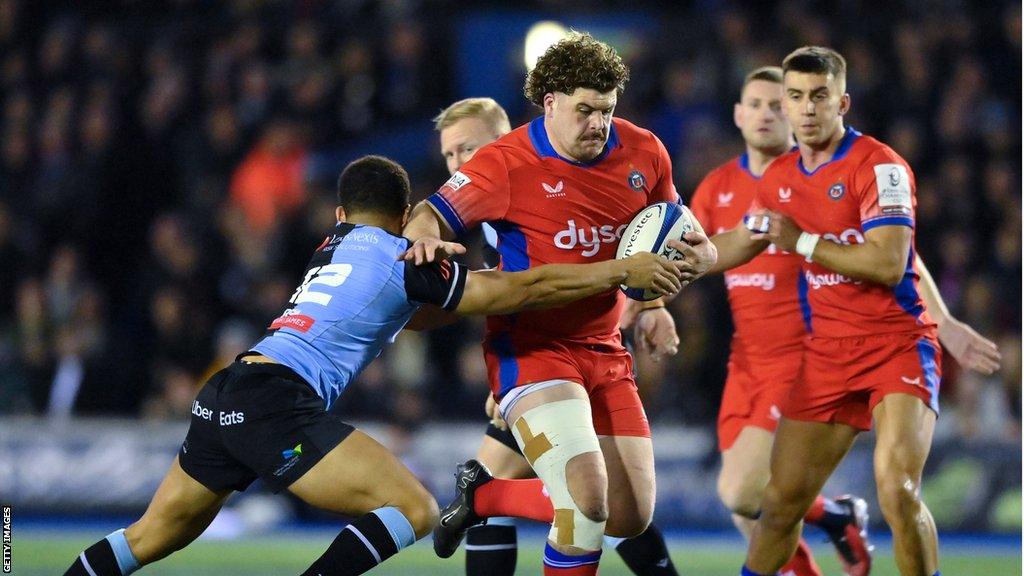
(646, 554)
(827, 515)
(108, 557)
(364, 544)
(491, 548)
(558, 564)
(802, 563)
(748, 572)
(519, 498)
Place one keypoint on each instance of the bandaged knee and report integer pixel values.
(549, 436)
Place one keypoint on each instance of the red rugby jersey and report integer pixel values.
(549, 209)
(865, 185)
(762, 292)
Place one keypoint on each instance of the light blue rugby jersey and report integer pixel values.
(355, 298)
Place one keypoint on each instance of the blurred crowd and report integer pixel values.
(156, 211)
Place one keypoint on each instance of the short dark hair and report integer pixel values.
(374, 184)
(816, 60)
(578, 61)
(766, 73)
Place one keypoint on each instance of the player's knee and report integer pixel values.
(558, 439)
(739, 496)
(898, 494)
(781, 508)
(421, 512)
(628, 525)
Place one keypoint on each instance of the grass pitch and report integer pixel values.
(38, 554)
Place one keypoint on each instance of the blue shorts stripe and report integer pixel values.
(508, 367)
(926, 351)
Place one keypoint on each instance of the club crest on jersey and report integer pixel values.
(785, 194)
(637, 181)
(837, 191)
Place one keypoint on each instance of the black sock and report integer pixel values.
(647, 555)
(351, 554)
(491, 550)
(100, 558)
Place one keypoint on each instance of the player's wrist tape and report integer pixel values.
(806, 243)
(658, 306)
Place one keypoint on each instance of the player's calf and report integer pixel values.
(367, 542)
(109, 557)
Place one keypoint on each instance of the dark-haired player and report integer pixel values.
(265, 416)
(560, 189)
(491, 548)
(845, 203)
(763, 299)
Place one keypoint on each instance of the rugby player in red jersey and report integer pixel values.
(845, 203)
(491, 548)
(561, 189)
(763, 299)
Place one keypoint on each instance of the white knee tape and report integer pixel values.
(549, 436)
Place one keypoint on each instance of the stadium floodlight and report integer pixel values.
(539, 38)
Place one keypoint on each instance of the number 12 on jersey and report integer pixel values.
(332, 275)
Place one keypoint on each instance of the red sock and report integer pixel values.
(802, 563)
(817, 510)
(519, 498)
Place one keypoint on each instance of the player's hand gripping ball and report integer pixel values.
(649, 231)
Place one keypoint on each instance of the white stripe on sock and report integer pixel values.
(487, 547)
(85, 563)
(376, 555)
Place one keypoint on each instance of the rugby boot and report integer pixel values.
(851, 539)
(458, 515)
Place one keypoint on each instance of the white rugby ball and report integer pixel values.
(649, 231)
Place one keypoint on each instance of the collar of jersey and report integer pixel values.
(744, 161)
(844, 147)
(544, 149)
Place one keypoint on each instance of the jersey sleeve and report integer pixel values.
(700, 204)
(478, 192)
(440, 283)
(885, 188)
(664, 189)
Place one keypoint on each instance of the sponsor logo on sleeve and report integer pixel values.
(458, 180)
(893, 182)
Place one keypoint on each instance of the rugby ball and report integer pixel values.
(649, 231)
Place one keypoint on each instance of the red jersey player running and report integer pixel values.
(845, 202)
(561, 189)
(465, 127)
(763, 299)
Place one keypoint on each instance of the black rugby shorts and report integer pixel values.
(257, 421)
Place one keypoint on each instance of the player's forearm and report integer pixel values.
(735, 248)
(930, 294)
(866, 262)
(425, 222)
(558, 284)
